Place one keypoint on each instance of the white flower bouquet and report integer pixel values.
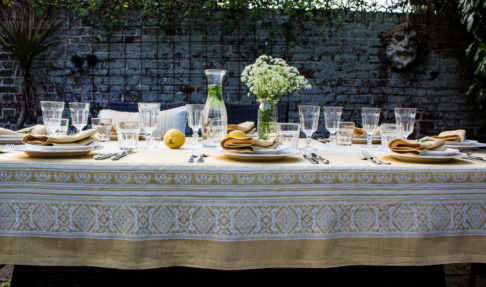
(270, 79)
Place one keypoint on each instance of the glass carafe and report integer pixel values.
(215, 118)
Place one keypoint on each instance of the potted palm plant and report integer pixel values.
(25, 34)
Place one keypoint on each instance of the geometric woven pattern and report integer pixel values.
(233, 221)
(225, 177)
(221, 215)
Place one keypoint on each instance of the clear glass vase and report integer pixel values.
(267, 118)
(215, 118)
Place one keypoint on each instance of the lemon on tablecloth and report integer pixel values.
(236, 134)
(174, 138)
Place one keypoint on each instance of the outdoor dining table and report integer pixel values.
(154, 209)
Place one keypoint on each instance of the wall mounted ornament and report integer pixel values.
(401, 45)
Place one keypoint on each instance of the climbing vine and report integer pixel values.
(113, 14)
(473, 13)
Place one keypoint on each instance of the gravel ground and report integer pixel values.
(457, 275)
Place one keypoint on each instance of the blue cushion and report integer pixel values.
(133, 107)
(238, 113)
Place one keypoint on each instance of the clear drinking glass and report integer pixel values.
(62, 129)
(103, 126)
(149, 113)
(79, 114)
(389, 132)
(128, 133)
(332, 116)
(194, 119)
(288, 135)
(370, 118)
(405, 119)
(345, 134)
(309, 119)
(51, 115)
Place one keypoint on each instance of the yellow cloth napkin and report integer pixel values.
(416, 147)
(452, 136)
(80, 139)
(248, 145)
(359, 132)
(246, 127)
(35, 130)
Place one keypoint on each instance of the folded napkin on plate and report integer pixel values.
(246, 127)
(248, 145)
(416, 147)
(35, 130)
(359, 132)
(80, 139)
(452, 136)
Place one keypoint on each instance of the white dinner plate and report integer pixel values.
(362, 140)
(35, 151)
(467, 144)
(425, 158)
(261, 155)
(61, 147)
(11, 139)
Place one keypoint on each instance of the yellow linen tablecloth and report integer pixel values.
(153, 209)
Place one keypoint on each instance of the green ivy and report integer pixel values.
(472, 15)
(114, 14)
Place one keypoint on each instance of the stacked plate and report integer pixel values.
(362, 140)
(278, 153)
(11, 139)
(58, 151)
(429, 156)
(465, 145)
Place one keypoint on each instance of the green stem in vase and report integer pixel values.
(215, 95)
(266, 120)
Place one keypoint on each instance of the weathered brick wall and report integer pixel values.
(344, 61)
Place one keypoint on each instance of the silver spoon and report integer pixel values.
(201, 158)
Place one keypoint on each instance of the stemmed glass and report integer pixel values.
(309, 118)
(194, 120)
(405, 120)
(370, 118)
(332, 116)
(51, 115)
(79, 114)
(148, 120)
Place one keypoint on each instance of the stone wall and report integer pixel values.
(343, 59)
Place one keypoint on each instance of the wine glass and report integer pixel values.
(370, 118)
(194, 119)
(309, 118)
(148, 120)
(79, 114)
(332, 116)
(51, 115)
(405, 120)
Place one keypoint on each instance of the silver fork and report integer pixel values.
(374, 158)
(368, 156)
(6, 148)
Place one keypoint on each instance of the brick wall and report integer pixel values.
(343, 60)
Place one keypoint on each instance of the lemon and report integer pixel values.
(174, 138)
(236, 134)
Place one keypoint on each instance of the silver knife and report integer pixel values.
(310, 159)
(369, 157)
(119, 155)
(380, 161)
(104, 156)
(318, 157)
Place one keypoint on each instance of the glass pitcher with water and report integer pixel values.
(215, 118)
